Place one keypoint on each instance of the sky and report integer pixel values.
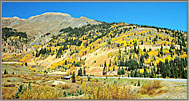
(171, 15)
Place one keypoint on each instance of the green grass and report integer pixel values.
(18, 69)
(123, 81)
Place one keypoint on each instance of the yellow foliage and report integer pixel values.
(148, 61)
(141, 71)
(113, 39)
(153, 53)
(116, 67)
(68, 46)
(147, 70)
(148, 43)
(95, 36)
(162, 60)
(22, 76)
(124, 36)
(103, 44)
(156, 62)
(39, 92)
(143, 32)
(165, 51)
(26, 58)
(113, 91)
(170, 58)
(183, 56)
(130, 34)
(34, 69)
(37, 46)
(13, 37)
(74, 38)
(30, 67)
(19, 63)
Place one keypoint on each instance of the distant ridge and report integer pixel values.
(49, 22)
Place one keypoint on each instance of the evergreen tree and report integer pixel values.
(161, 50)
(122, 71)
(138, 83)
(66, 62)
(113, 68)
(132, 74)
(20, 88)
(29, 85)
(145, 73)
(163, 71)
(73, 77)
(26, 64)
(142, 42)
(81, 80)
(64, 94)
(135, 50)
(142, 60)
(45, 71)
(80, 72)
(84, 72)
(105, 64)
(119, 71)
(69, 92)
(104, 69)
(5, 71)
(89, 78)
(180, 48)
(144, 50)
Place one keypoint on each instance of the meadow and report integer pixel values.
(27, 84)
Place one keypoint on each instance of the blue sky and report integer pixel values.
(162, 14)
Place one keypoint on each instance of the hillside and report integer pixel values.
(96, 47)
(142, 51)
(14, 44)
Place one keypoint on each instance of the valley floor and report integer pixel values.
(170, 88)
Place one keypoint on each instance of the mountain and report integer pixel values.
(39, 30)
(49, 22)
(66, 44)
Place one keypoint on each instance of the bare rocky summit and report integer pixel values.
(49, 22)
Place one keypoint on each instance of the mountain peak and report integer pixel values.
(50, 14)
(83, 17)
(12, 18)
(55, 13)
(15, 17)
(51, 22)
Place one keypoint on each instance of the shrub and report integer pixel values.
(39, 92)
(73, 89)
(5, 71)
(150, 88)
(64, 86)
(114, 91)
(89, 78)
(69, 93)
(20, 88)
(73, 77)
(138, 83)
(64, 94)
(9, 92)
